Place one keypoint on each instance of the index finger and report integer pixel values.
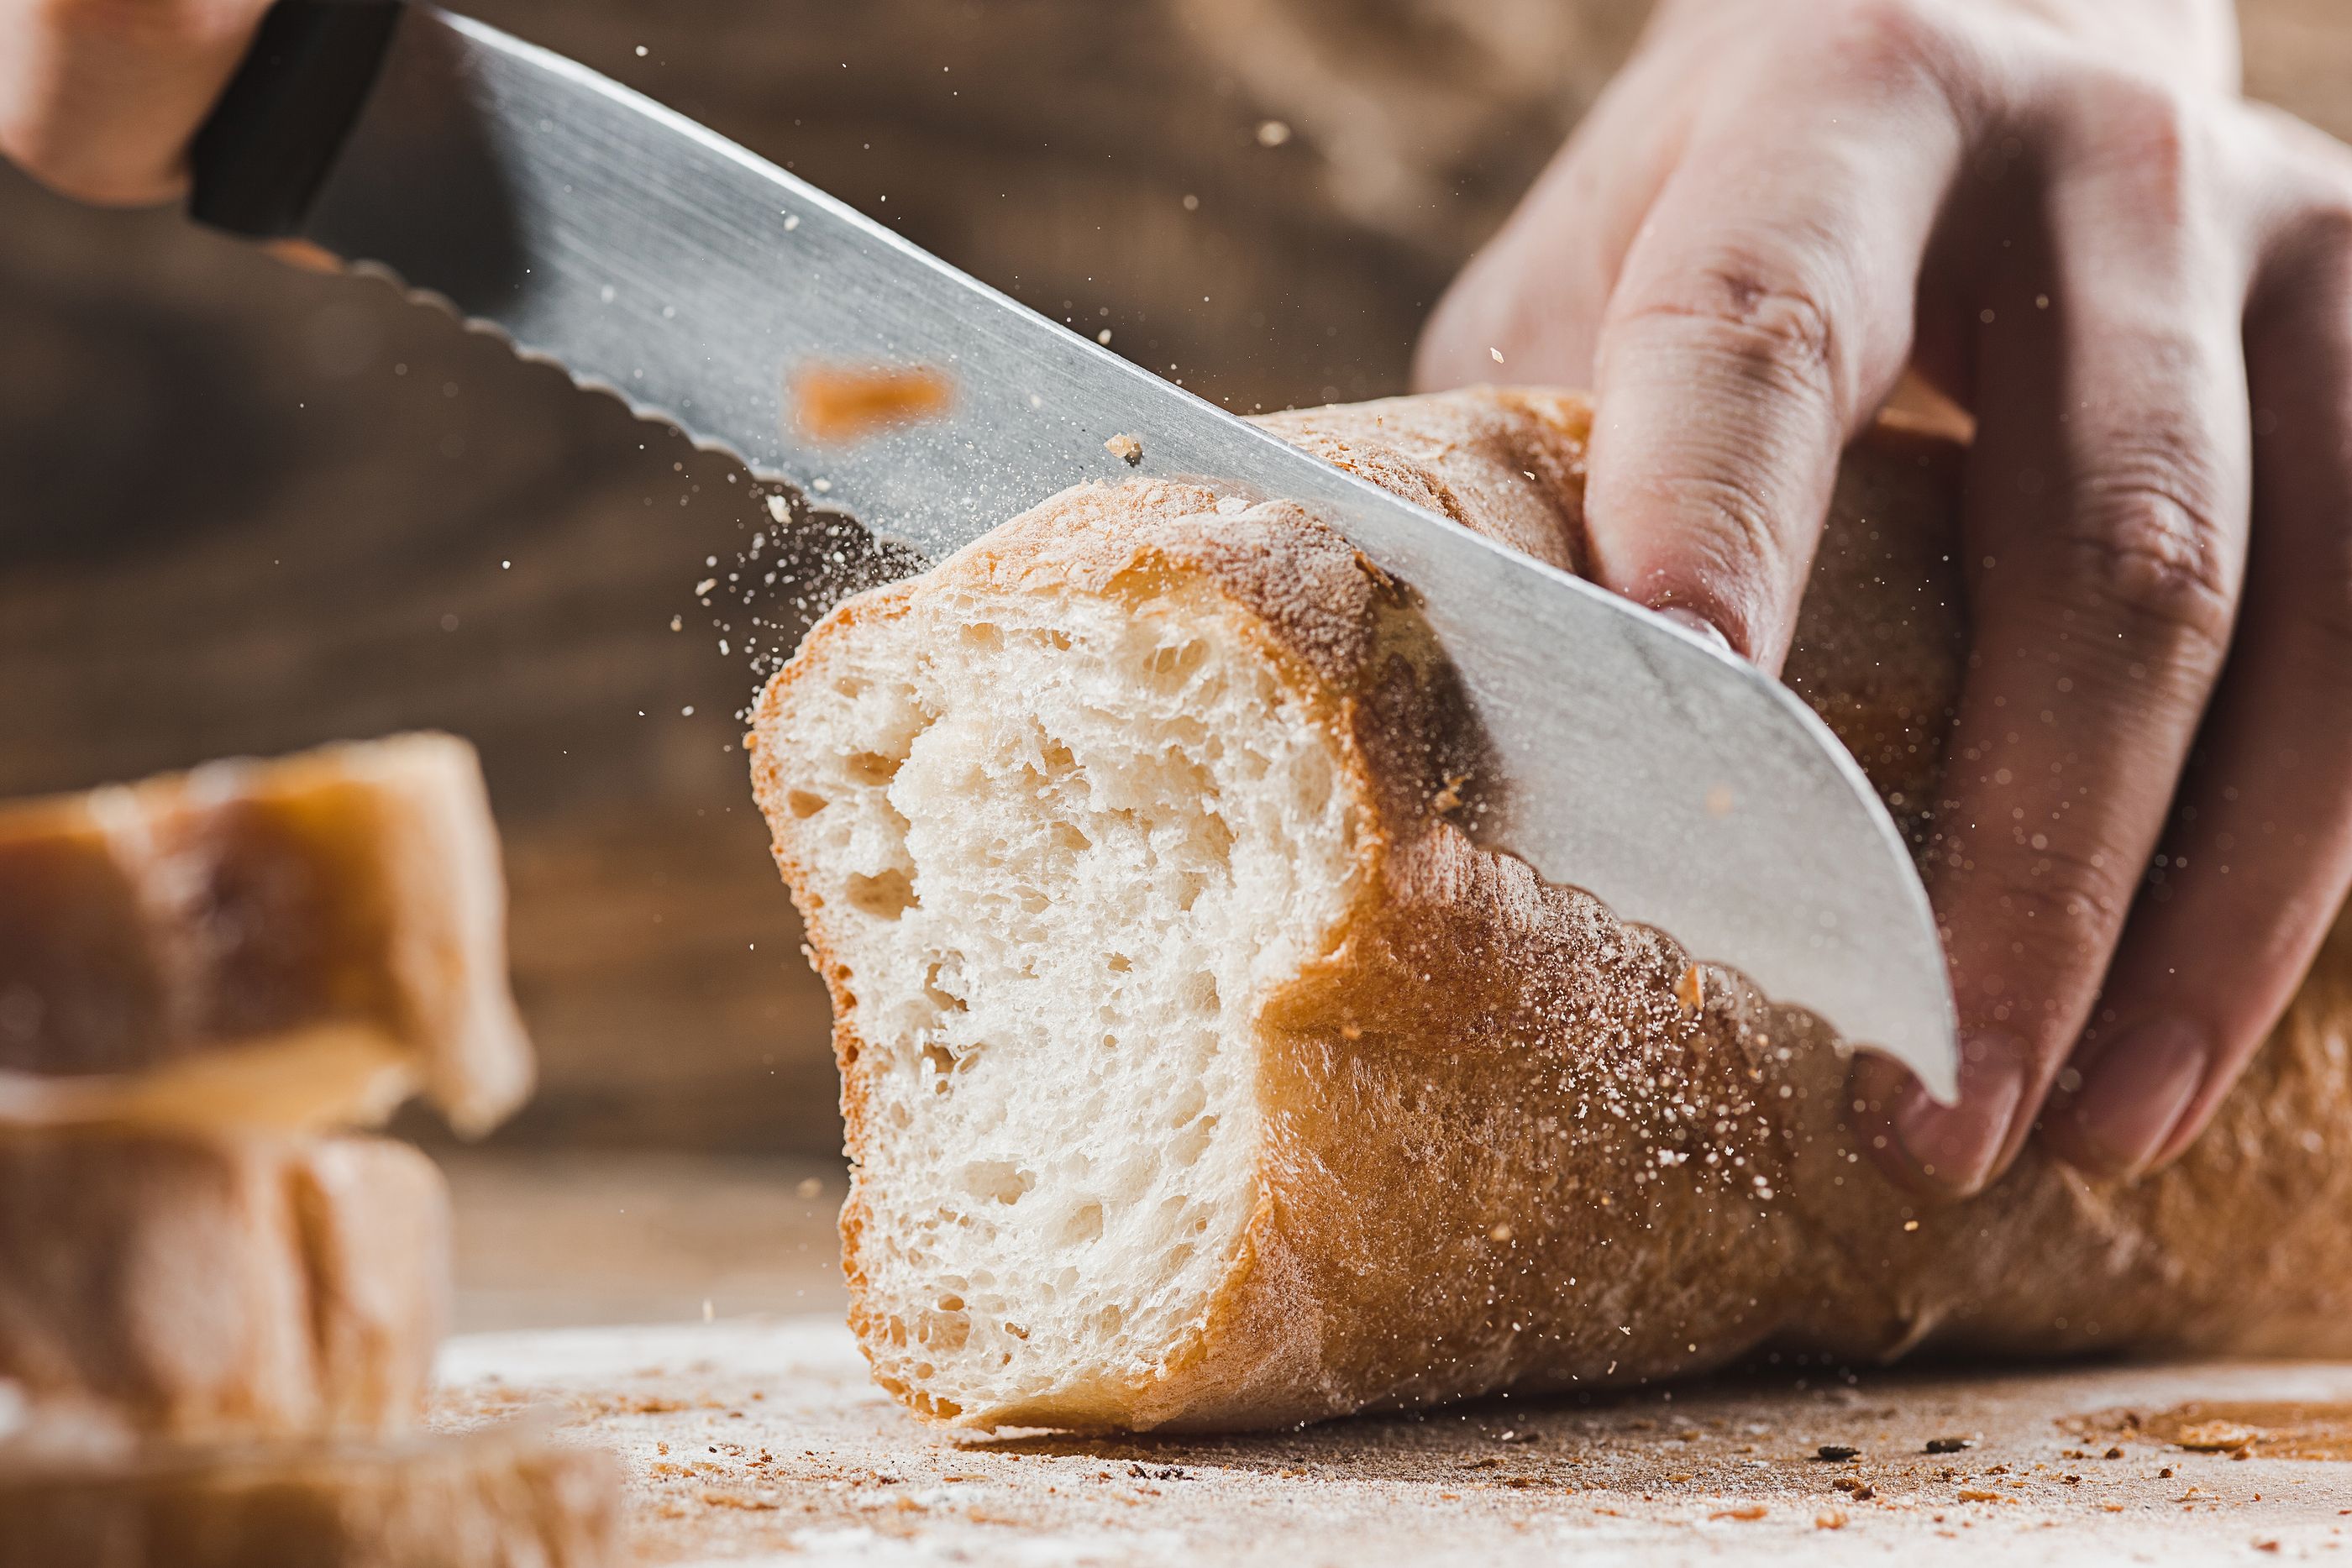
(1762, 314)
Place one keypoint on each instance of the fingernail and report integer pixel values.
(2133, 1098)
(1957, 1146)
(1692, 621)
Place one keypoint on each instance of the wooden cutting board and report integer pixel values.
(762, 1439)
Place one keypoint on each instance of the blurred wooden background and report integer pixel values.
(245, 508)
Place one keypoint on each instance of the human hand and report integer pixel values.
(2064, 215)
(99, 99)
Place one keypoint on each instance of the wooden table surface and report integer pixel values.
(757, 1436)
(564, 1240)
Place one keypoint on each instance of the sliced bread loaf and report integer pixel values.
(1201, 1071)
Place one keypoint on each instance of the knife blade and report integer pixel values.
(648, 256)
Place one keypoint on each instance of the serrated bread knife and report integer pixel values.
(593, 227)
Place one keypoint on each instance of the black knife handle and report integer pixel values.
(261, 157)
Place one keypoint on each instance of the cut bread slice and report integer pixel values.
(494, 1499)
(1059, 846)
(297, 943)
(187, 1285)
(1199, 1071)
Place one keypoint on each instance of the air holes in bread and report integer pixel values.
(1123, 828)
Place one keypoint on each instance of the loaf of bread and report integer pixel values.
(496, 1499)
(296, 943)
(1201, 1072)
(157, 1282)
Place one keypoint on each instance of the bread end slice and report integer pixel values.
(196, 1286)
(294, 943)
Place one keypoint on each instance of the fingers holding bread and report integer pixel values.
(2258, 851)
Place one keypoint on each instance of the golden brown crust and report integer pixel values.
(1543, 1005)
(488, 1500)
(187, 1286)
(1510, 1140)
(202, 931)
(1877, 651)
(1509, 464)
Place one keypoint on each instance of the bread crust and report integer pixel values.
(300, 941)
(182, 1285)
(497, 1499)
(1511, 1141)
